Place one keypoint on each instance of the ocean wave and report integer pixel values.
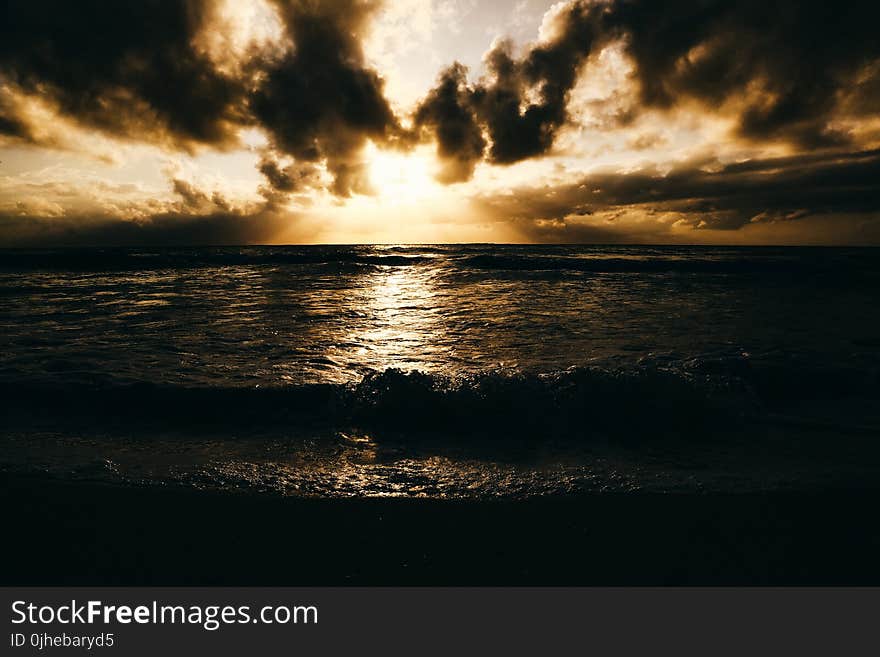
(120, 260)
(577, 399)
(653, 397)
(857, 263)
(611, 265)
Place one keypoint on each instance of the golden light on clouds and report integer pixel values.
(437, 121)
(238, 31)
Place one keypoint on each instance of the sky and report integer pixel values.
(173, 122)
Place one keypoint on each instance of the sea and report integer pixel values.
(448, 371)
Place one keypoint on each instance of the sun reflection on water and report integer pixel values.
(398, 324)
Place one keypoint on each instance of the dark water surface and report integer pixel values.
(456, 371)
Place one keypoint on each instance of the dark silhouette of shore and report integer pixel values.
(90, 534)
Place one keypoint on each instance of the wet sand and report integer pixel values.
(62, 532)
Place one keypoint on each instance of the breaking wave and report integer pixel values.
(642, 401)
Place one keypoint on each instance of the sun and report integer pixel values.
(401, 177)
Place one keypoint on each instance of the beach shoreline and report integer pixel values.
(63, 532)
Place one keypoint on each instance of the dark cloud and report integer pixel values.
(126, 68)
(522, 103)
(196, 200)
(135, 70)
(320, 102)
(287, 178)
(722, 198)
(192, 196)
(784, 63)
(520, 128)
(786, 70)
(447, 111)
(12, 125)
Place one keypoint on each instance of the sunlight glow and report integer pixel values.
(401, 177)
